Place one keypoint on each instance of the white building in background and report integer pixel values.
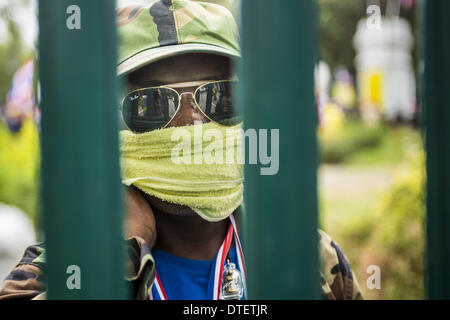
(386, 81)
(16, 233)
(322, 81)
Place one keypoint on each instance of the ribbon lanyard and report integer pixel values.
(219, 266)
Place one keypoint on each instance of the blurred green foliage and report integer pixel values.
(337, 25)
(389, 151)
(348, 140)
(19, 153)
(377, 215)
(19, 163)
(398, 234)
(383, 227)
(13, 53)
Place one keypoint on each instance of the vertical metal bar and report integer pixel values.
(277, 92)
(437, 112)
(82, 196)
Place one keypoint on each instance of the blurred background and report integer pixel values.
(371, 176)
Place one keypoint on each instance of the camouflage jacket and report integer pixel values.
(25, 281)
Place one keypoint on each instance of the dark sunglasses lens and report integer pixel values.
(216, 100)
(149, 109)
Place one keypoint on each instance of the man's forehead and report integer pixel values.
(183, 68)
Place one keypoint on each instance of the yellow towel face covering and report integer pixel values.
(197, 166)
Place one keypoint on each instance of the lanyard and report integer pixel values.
(219, 266)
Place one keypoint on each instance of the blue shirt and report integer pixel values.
(186, 279)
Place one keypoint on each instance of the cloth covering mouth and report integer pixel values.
(165, 163)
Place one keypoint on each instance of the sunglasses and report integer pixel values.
(153, 108)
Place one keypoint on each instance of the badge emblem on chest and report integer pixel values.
(232, 286)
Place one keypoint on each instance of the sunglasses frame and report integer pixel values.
(172, 87)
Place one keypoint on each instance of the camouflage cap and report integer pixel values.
(171, 27)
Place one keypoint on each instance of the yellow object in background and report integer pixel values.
(376, 91)
(344, 93)
(20, 163)
(333, 120)
(372, 88)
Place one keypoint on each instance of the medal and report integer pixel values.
(229, 282)
(232, 287)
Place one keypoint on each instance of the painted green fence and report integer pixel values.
(437, 124)
(277, 92)
(82, 197)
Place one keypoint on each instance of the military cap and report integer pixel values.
(165, 28)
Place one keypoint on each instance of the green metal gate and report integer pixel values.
(82, 196)
(277, 92)
(437, 120)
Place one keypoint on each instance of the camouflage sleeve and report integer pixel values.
(141, 268)
(26, 280)
(337, 278)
